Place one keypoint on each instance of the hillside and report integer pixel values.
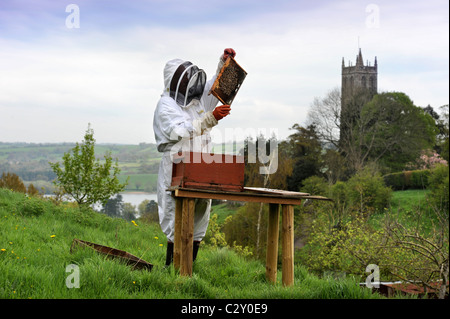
(30, 162)
(36, 237)
(138, 162)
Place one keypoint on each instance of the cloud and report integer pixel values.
(109, 71)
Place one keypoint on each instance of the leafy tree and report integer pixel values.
(129, 211)
(83, 177)
(148, 211)
(273, 173)
(389, 129)
(13, 182)
(305, 149)
(394, 130)
(113, 206)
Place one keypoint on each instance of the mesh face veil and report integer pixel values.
(188, 83)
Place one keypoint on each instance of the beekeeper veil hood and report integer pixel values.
(184, 81)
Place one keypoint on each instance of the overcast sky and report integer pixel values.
(56, 75)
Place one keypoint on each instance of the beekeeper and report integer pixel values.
(183, 117)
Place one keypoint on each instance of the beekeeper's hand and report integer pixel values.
(221, 111)
(228, 52)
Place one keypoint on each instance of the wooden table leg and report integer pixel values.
(187, 236)
(177, 235)
(287, 233)
(272, 243)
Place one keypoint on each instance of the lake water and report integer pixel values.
(134, 198)
(137, 198)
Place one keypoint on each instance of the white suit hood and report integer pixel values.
(169, 70)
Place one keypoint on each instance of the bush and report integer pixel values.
(366, 191)
(33, 207)
(347, 247)
(315, 185)
(338, 193)
(417, 179)
(439, 188)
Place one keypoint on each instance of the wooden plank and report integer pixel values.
(177, 235)
(187, 236)
(272, 243)
(235, 196)
(287, 234)
(274, 191)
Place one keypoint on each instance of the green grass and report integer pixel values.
(222, 210)
(36, 237)
(408, 200)
(140, 182)
(412, 209)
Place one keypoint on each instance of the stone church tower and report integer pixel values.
(359, 85)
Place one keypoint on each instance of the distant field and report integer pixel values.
(138, 162)
(140, 182)
(31, 162)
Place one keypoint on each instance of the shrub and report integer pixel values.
(347, 247)
(315, 185)
(417, 179)
(33, 206)
(337, 192)
(12, 182)
(439, 188)
(366, 191)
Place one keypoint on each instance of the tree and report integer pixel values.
(263, 174)
(83, 177)
(129, 212)
(12, 182)
(389, 129)
(148, 211)
(305, 149)
(443, 136)
(325, 114)
(113, 206)
(418, 257)
(395, 131)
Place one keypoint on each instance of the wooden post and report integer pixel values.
(287, 232)
(177, 235)
(187, 236)
(272, 243)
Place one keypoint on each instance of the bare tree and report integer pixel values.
(325, 114)
(420, 258)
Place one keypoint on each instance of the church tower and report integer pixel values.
(360, 76)
(358, 86)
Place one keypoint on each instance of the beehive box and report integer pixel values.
(228, 81)
(208, 171)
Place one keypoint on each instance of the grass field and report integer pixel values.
(35, 241)
(140, 182)
(408, 200)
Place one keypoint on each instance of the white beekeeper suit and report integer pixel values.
(182, 119)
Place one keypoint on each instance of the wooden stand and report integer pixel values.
(184, 226)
